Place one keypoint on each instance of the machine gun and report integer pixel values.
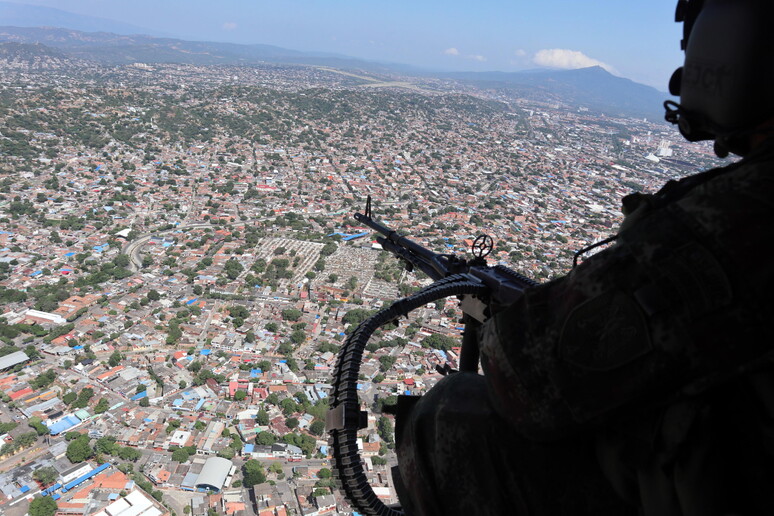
(481, 290)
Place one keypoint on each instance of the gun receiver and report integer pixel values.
(481, 289)
(504, 285)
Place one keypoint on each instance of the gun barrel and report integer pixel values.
(395, 238)
(432, 261)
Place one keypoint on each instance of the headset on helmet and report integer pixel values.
(726, 85)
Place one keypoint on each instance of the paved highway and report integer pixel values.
(133, 248)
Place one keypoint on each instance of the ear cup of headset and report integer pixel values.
(726, 83)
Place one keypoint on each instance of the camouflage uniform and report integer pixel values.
(649, 364)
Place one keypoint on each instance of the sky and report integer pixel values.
(636, 39)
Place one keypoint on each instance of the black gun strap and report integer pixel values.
(345, 417)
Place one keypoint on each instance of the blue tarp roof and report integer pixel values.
(24, 489)
(249, 448)
(63, 424)
(255, 372)
(200, 404)
(139, 396)
(87, 476)
(47, 491)
(205, 352)
(192, 301)
(352, 237)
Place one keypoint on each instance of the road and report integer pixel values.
(133, 248)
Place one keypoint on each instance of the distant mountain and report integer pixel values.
(118, 49)
(28, 51)
(593, 88)
(34, 56)
(22, 15)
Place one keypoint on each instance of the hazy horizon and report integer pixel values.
(636, 40)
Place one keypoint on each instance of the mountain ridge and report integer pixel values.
(23, 15)
(592, 88)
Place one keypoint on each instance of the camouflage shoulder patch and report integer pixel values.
(605, 333)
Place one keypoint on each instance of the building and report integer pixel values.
(214, 474)
(36, 316)
(134, 504)
(12, 359)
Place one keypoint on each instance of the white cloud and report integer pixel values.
(452, 51)
(520, 52)
(229, 26)
(567, 59)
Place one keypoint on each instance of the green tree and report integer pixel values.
(356, 316)
(79, 450)
(106, 445)
(262, 418)
(36, 423)
(83, 397)
(298, 336)
(441, 342)
(266, 438)
(317, 427)
(115, 358)
(384, 427)
(240, 395)
(45, 475)
(101, 406)
(42, 506)
(291, 314)
(253, 473)
(122, 260)
(386, 362)
(238, 311)
(127, 453)
(180, 455)
(291, 422)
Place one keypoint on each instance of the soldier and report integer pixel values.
(641, 382)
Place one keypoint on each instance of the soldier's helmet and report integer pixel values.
(726, 85)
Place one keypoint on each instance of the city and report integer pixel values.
(179, 264)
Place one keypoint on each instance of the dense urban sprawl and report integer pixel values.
(179, 264)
